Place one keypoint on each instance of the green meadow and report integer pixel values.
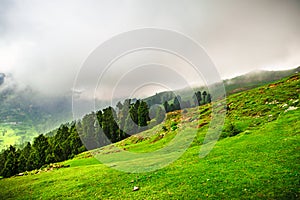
(256, 157)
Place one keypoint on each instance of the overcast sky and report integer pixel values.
(44, 43)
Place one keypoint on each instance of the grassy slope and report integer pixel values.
(262, 161)
(255, 79)
(19, 107)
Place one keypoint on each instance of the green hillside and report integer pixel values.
(25, 113)
(257, 157)
(255, 79)
(237, 84)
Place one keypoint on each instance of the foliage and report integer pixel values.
(44, 150)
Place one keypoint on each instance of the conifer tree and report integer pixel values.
(204, 93)
(143, 114)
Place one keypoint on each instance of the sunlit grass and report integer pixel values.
(262, 161)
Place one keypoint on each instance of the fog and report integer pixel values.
(44, 43)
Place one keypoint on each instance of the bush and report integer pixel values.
(164, 128)
(230, 130)
(233, 130)
(173, 126)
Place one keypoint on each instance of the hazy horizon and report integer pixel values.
(44, 44)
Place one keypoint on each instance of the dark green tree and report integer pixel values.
(11, 163)
(177, 103)
(40, 146)
(75, 141)
(33, 160)
(204, 93)
(3, 157)
(50, 158)
(167, 106)
(134, 111)
(99, 117)
(208, 98)
(62, 133)
(143, 114)
(199, 98)
(24, 155)
(109, 125)
(58, 153)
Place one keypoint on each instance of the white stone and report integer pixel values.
(136, 188)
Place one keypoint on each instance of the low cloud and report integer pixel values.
(44, 43)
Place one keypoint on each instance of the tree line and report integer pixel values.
(197, 100)
(94, 130)
(65, 144)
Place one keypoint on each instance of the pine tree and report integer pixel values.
(3, 158)
(58, 153)
(24, 155)
(134, 111)
(199, 98)
(176, 103)
(208, 98)
(40, 146)
(109, 125)
(204, 93)
(143, 114)
(75, 141)
(32, 161)
(99, 117)
(167, 106)
(11, 164)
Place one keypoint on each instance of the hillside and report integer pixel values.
(234, 85)
(25, 113)
(255, 79)
(257, 156)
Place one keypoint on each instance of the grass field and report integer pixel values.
(257, 157)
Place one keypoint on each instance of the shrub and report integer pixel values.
(230, 130)
(233, 130)
(173, 126)
(164, 128)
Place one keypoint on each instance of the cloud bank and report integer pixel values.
(44, 43)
